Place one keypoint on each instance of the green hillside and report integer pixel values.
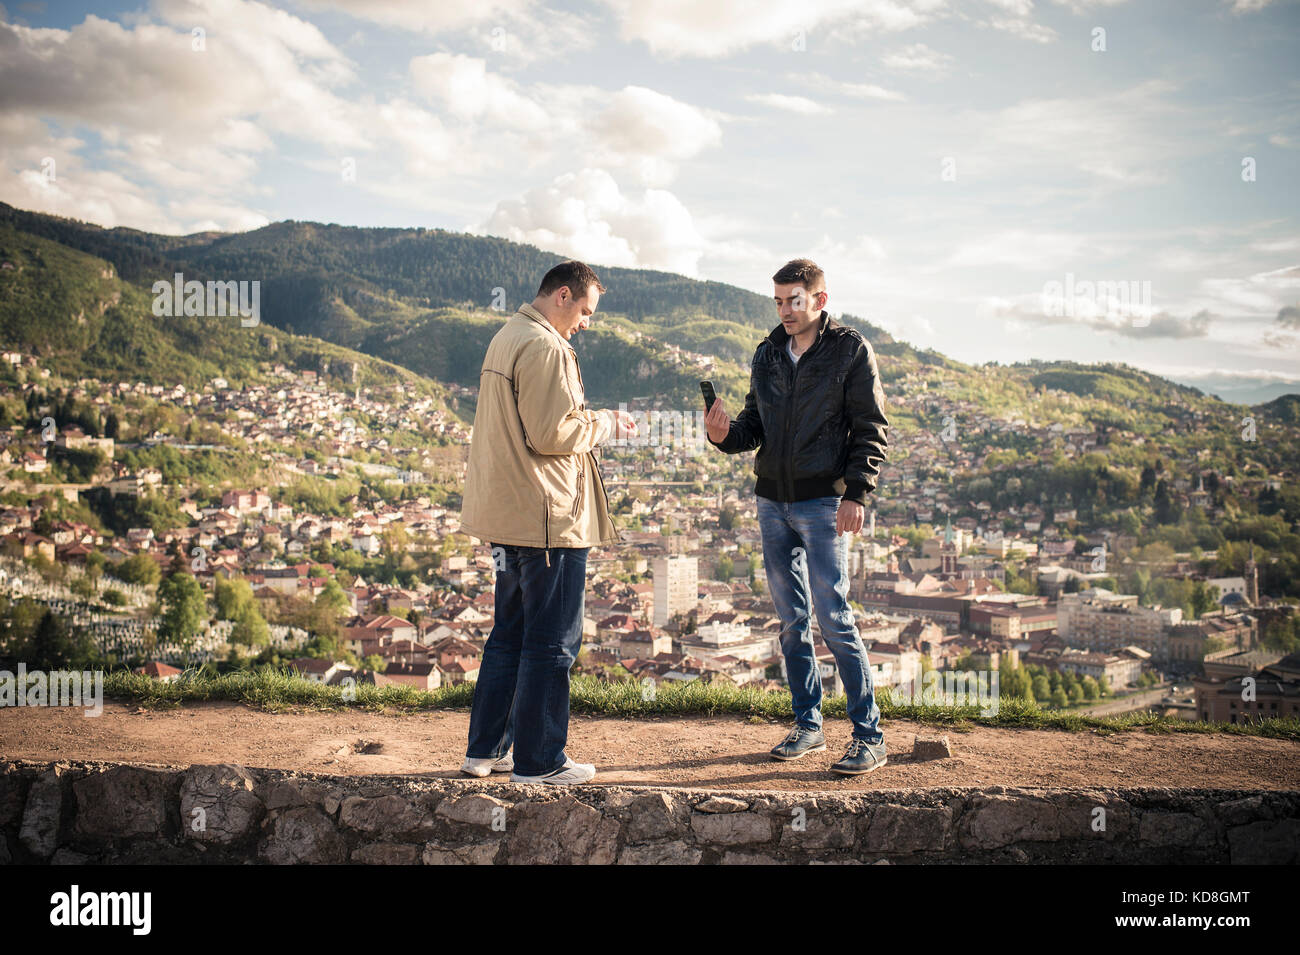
(72, 311)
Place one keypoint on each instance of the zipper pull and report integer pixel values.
(548, 557)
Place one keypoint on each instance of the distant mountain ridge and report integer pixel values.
(427, 300)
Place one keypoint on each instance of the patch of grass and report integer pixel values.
(276, 690)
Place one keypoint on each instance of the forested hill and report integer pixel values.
(430, 299)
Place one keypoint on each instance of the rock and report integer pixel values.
(69, 857)
(734, 828)
(654, 816)
(904, 829)
(302, 835)
(721, 804)
(747, 858)
(931, 747)
(385, 814)
(1079, 818)
(1172, 829)
(218, 805)
(481, 854)
(995, 821)
(40, 829)
(666, 853)
(476, 809)
(13, 786)
(819, 830)
(1240, 812)
(290, 792)
(386, 853)
(1265, 843)
(562, 832)
(125, 801)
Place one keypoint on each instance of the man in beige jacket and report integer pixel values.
(534, 492)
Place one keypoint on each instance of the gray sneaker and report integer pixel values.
(861, 757)
(799, 741)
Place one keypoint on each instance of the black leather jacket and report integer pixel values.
(819, 426)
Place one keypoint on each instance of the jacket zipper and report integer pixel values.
(789, 451)
(546, 528)
(582, 486)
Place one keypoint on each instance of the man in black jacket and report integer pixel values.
(815, 412)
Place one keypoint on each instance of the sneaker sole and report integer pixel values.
(860, 772)
(543, 781)
(810, 749)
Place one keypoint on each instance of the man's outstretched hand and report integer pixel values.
(717, 423)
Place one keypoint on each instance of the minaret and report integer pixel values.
(1252, 578)
(948, 552)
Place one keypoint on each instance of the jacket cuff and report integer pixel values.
(605, 426)
(723, 444)
(857, 491)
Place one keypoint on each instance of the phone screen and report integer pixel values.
(706, 388)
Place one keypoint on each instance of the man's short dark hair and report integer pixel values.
(803, 272)
(578, 276)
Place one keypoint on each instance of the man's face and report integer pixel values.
(800, 309)
(576, 313)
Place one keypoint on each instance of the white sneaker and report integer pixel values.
(568, 775)
(481, 767)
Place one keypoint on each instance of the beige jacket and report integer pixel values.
(533, 480)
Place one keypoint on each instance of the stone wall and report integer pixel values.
(86, 812)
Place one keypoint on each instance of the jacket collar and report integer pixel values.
(779, 336)
(532, 313)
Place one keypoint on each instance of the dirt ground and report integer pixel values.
(712, 753)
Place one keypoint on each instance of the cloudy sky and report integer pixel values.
(962, 169)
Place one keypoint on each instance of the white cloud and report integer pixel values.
(587, 216)
(437, 16)
(793, 104)
(819, 81)
(463, 86)
(674, 28)
(1247, 6)
(918, 58)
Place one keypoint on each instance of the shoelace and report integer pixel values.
(856, 747)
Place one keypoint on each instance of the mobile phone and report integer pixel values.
(706, 388)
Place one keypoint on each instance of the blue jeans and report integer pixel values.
(522, 695)
(800, 546)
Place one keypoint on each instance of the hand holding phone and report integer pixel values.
(710, 396)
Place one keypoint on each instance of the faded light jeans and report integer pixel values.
(804, 557)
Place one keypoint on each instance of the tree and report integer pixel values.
(250, 628)
(232, 595)
(1059, 699)
(1042, 688)
(1203, 598)
(139, 569)
(184, 609)
(53, 646)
